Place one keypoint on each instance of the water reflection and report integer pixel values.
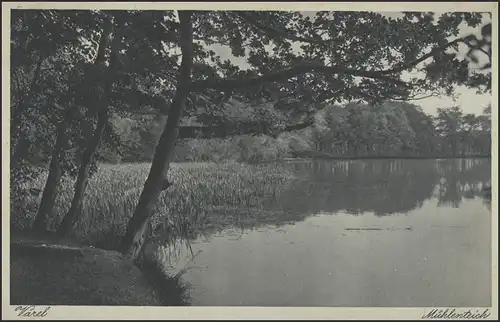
(379, 187)
(344, 248)
(383, 187)
(462, 179)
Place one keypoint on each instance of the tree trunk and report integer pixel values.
(21, 144)
(55, 173)
(17, 113)
(137, 228)
(82, 179)
(90, 151)
(19, 150)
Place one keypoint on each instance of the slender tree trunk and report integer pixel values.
(55, 174)
(55, 170)
(21, 144)
(19, 149)
(17, 113)
(90, 151)
(83, 176)
(137, 228)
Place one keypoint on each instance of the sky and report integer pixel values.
(465, 98)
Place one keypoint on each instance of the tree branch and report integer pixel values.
(280, 34)
(414, 98)
(136, 98)
(415, 62)
(231, 83)
(297, 126)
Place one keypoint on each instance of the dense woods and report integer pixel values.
(390, 129)
(126, 86)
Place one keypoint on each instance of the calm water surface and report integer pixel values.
(357, 233)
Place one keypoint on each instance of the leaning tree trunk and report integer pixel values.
(83, 176)
(55, 174)
(90, 151)
(137, 228)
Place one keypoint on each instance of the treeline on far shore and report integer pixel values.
(352, 131)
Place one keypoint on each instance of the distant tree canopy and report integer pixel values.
(392, 129)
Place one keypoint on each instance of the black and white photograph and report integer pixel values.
(205, 156)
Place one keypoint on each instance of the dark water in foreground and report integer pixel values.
(358, 233)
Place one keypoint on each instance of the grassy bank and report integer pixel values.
(43, 273)
(204, 197)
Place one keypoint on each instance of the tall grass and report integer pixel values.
(204, 197)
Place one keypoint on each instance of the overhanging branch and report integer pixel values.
(231, 83)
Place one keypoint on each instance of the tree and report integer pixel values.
(483, 135)
(423, 126)
(396, 133)
(102, 120)
(43, 111)
(39, 57)
(138, 228)
(449, 125)
(113, 81)
(344, 56)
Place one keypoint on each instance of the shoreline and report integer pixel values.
(326, 157)
(87, 275)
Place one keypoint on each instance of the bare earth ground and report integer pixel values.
(47, 273)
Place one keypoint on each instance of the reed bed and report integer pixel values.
(204, 197)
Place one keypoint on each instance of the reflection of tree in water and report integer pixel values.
(486, 199)
(381, 186)
(462, 178)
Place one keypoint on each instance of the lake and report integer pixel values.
(411, 233)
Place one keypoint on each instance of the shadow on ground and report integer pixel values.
(47, 273)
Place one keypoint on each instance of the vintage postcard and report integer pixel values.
(272, 160)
